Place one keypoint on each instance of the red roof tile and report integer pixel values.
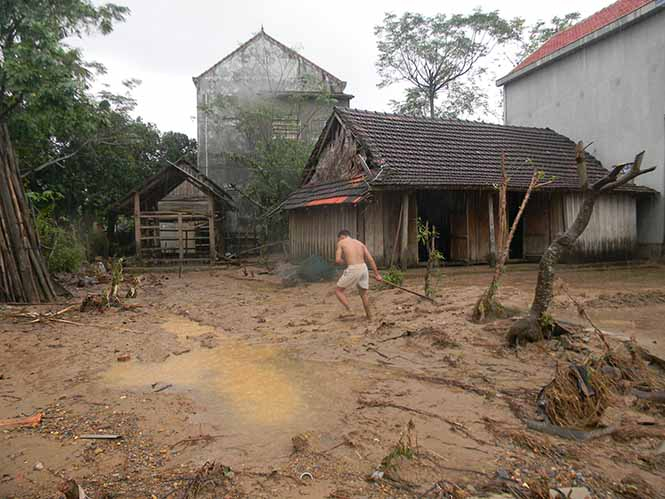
(585, 27)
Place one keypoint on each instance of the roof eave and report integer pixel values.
(618, 25)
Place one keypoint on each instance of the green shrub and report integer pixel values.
(394, 276)
(62, 247)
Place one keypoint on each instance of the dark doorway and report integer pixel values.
(432, 209)
(446, 210)
(517, 244)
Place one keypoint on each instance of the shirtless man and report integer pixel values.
(354, 254)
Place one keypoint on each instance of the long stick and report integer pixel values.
(410, 291)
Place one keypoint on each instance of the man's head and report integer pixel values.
(343, 234)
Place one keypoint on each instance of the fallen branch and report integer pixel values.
(455, 426)
(407, 290)
(570, 433)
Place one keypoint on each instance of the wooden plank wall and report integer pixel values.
(313, 231)
(612, 230)
(371, 216)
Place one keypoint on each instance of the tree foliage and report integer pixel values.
(439, 55)
(85, 148)
(36, 64)
(538, 33)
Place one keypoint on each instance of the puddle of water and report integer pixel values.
(260, 395)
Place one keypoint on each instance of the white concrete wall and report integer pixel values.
(611, 92)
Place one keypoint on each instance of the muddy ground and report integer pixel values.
(229, 369)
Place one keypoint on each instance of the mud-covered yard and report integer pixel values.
(290, 400)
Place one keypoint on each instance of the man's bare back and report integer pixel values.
(353, 251)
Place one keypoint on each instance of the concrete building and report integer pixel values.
(603, 81)
(274, 89)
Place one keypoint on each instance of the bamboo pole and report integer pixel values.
(25, 277)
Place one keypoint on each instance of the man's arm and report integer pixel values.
(370, 259)
(339, 260)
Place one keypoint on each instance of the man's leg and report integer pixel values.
(339, 292)
(365, 298)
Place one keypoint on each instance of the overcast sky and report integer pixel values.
(164, 43)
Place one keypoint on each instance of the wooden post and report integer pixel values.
(404, 242)
(211, 230)
(137, 223)
(492, 259)
(468, 230)
(181, 253)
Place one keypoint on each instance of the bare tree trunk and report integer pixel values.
(487, 305)
(432, 113)
(533, 327)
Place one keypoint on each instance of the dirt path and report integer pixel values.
(229, 370)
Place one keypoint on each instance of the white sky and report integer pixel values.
(165, 43)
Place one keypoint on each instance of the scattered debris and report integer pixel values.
(570, 493)
(306, 474)
(101, 436)
(300, 442)
(38, 466)
(31, 421)
(124, 358)
(72, 490)
(160, 387)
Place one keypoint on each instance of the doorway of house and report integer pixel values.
(517, 245)
(445, 210)
(432, 209)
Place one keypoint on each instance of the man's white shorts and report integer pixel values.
(354, 275)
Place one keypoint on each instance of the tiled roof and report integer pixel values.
(583, 28)
(436, 153)
(348, 191)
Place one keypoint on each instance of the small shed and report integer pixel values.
(178, 214)
(376, 174)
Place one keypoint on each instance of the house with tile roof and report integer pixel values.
(266, 77)
(603, 81)
(376, 174)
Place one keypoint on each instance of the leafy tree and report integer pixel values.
(174, 146)
(36, 65)
(538, 33)
(439, 54)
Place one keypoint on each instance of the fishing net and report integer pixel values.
(315, 269)
(312, 269)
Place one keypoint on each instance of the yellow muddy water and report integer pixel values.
(242, 391)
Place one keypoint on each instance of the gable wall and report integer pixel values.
(254, 75)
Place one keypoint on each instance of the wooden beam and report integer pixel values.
(404, 241)
(468, 229)
(181, 252)
(490, 203)
(137, 223)
(211, 230)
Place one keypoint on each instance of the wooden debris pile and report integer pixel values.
(577, 397)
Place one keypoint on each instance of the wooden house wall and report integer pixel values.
(185, 197)
(612, 230)
(313, 231)
(391, 203)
